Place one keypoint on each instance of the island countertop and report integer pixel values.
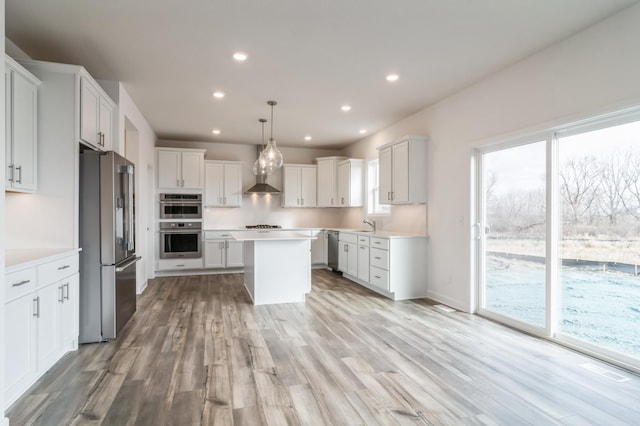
(269, 235)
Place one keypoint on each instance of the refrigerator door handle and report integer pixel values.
(128, 264)
(131, 240)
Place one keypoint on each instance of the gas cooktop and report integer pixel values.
(263, 226)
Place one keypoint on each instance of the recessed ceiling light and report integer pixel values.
(346, 108)
(218, 95)
(216, 131)
(392, 77)
(363, 131)
(307, 138)
(240, 56)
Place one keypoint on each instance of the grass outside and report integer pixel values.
(594, 249)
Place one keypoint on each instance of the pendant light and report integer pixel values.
(260, 167)
(271, 154)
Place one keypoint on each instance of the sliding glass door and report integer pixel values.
(559, 236)
(514, 233)
(599, 177)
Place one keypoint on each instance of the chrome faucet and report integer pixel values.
(370, 222)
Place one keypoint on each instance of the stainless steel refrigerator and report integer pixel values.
(107, 238)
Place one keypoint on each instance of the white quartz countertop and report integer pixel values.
(381, 234)
(270, 234)
(23, 258)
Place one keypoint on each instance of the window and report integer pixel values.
(373, 189)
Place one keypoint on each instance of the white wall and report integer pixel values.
(593, 72)
(135, 128)
(262, 208)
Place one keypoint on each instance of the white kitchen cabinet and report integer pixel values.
(42, 311)
(222, 251)
(96, 115)
(350, 174)
(19, 346)
(300, 188)
(348, 253)
(363, 258)
(327, 193)
(180, 168)
(223, 184)
(21, 126)
(402, 171)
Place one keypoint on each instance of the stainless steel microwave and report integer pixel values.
(180, 206)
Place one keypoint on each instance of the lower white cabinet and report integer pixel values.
(222, 251)
(392, 266)
(41, 320)
(348, 254)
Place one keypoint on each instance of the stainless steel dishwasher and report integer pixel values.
(332, 250)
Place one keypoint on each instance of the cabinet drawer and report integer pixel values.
(379, 278)
(381, 243)
(57, 269)
(363, 241)
(20, 283)
(379, 258)
(178, 264)
(214, 235)
(348, 238)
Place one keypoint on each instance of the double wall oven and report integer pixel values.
(181, 236)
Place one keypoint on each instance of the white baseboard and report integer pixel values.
(454, 303)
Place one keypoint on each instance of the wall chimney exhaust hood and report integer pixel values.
(262, 187)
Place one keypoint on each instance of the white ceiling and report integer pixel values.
(311, 56)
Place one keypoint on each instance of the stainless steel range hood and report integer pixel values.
(262, 187)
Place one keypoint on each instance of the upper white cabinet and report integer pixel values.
(403, 172)
(327, 181)
(96, 115)
(299, 185)
(180, 168)
(350, 183)
(21, 109)
(223, 184)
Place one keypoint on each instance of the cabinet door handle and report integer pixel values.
(67, 287)
(19, 170)
(64, 267)
(224, 201)
(302, 201)
(36, 310)
(226, 243)
(332, 201)
(362, 248)
(182, 185)
(180, 266)
(12, 172)
(342, 200)
(376, 257)
(178, 183)
(23, 282)
(61, 299)
(297, 201)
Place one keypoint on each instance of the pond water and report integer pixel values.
(599, 307)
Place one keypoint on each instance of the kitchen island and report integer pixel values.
(277, 265)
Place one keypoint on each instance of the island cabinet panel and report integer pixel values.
(21, 128)
(402, 166)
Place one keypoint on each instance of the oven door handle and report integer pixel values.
(180, 231)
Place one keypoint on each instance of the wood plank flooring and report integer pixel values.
(198, 353)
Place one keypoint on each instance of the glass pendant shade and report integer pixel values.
(260, 166)
(272, 155)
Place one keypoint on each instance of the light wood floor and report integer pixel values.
(197, 352)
